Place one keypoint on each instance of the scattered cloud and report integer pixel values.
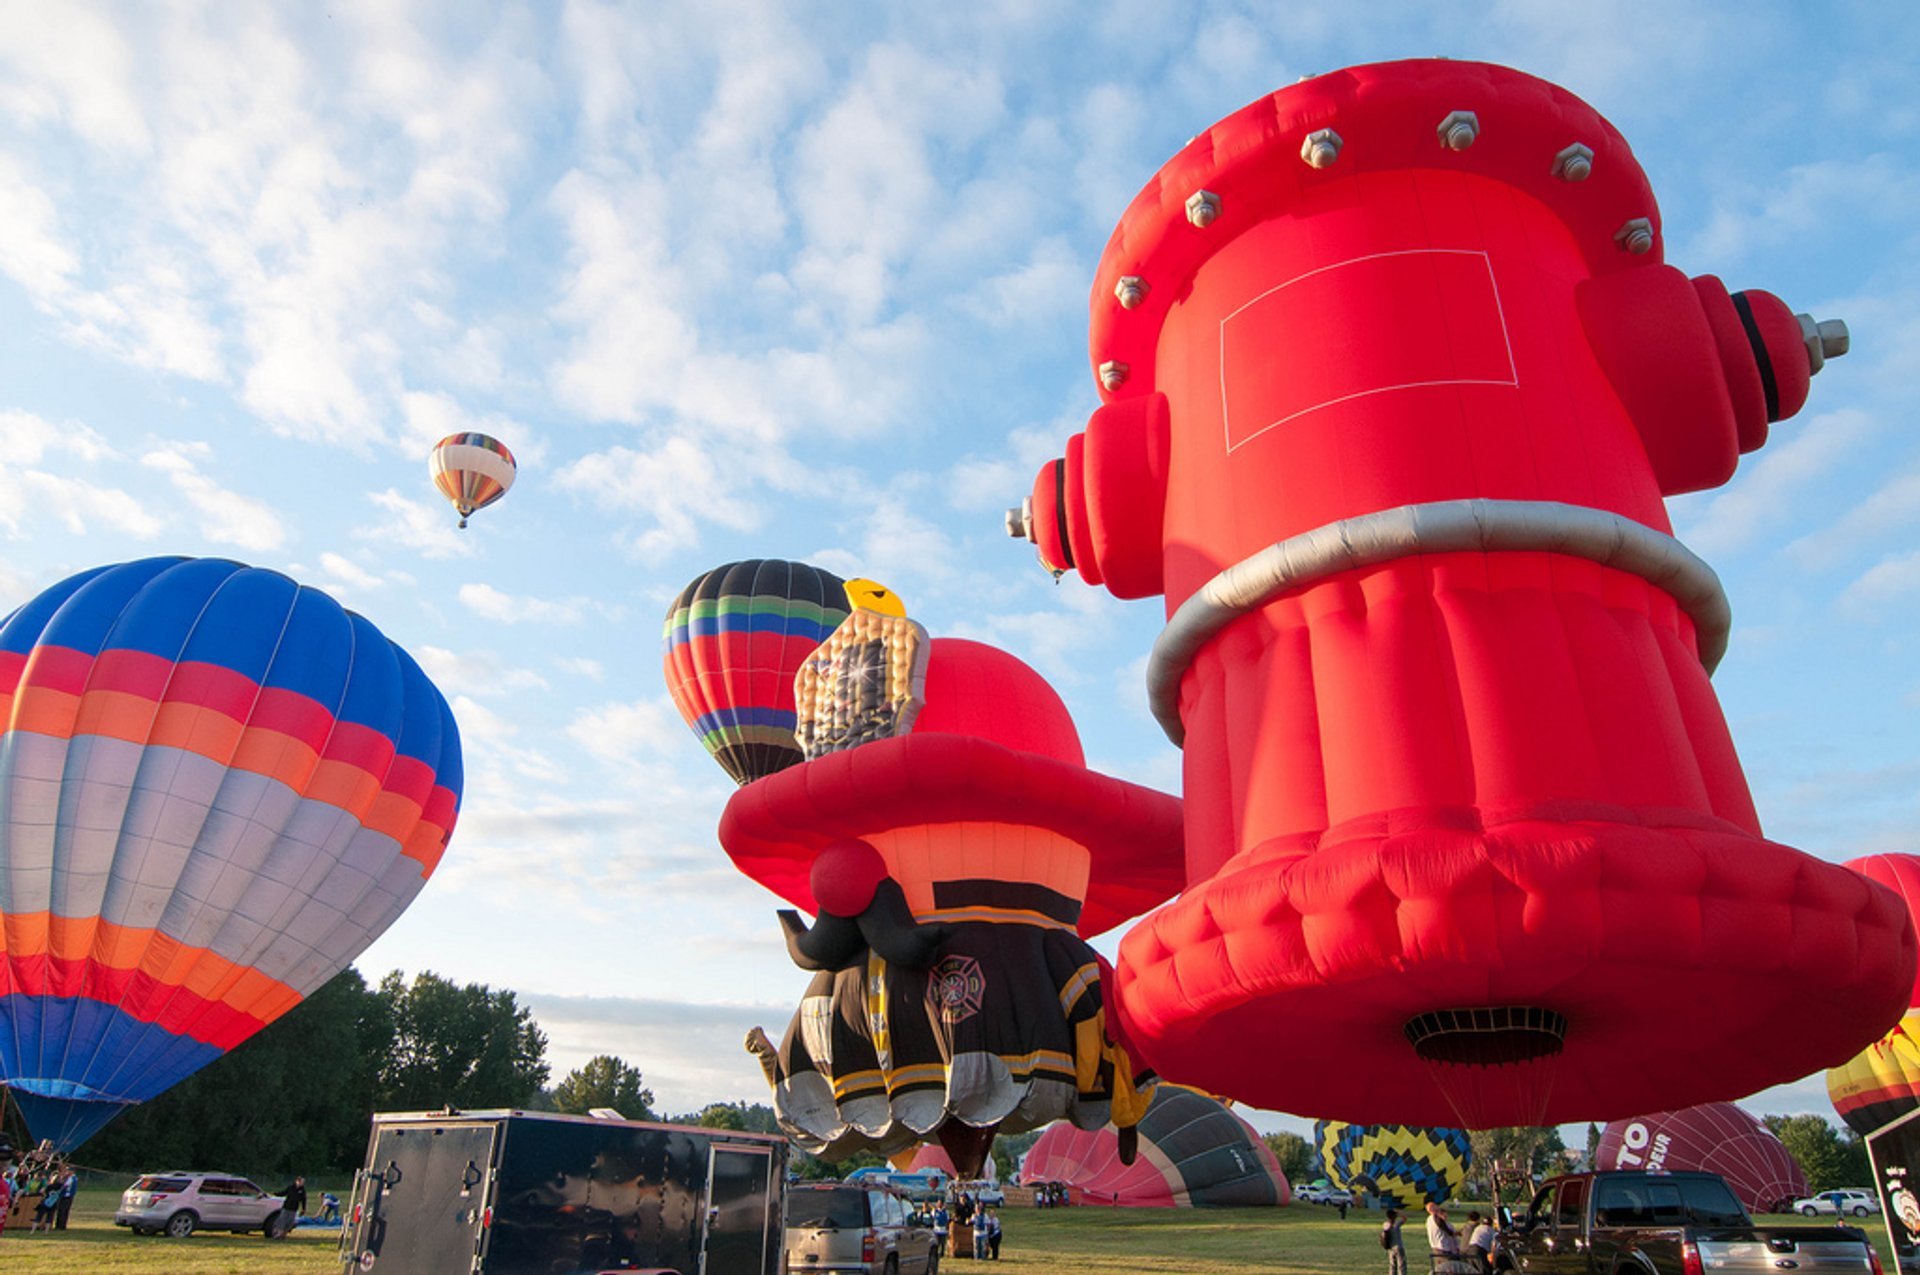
(1749, 508)
(479, 674)
(427, 529)
(627, 734)
(226, 517)
(579, 666)
(1889, 580)
(490, 603)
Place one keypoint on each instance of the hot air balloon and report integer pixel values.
(955, 871)
(1405, 1167)
(1394, 383)
(734, 639)
(1197, 1153)
(471, 471)
(1715, 1136)
(1882, 1081)
(217, 788)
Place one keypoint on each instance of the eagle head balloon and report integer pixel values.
(955, 866)
(1395, 380)
(217, 788)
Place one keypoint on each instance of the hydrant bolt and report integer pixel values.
(1826, 339)
(1321, 148)
(1459, 130)
(1202, 207)
(1113, 374)
(1130, 291)
(1635, 236)
(1574, 164)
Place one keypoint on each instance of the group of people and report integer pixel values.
(1456, 1250)
(980, 1222)
(46, 1186)
(1051, 1195)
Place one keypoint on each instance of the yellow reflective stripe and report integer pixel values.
(1076, 987)
(998, 916)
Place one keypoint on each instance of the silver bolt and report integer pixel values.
(1321, 148)
(1113, 374)
(1018, 517)
(1459, 130)
(1635, 237)
(1826, 339)
(1202, 207)
(1574, 164)
(1130, 291)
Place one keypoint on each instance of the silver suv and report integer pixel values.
(842, 1226)
(182, 1203)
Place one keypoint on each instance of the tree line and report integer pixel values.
(298, 1096)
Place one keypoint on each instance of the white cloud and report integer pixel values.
(635, 732)
(1894, 506)
(677, 485)
(74, 62)
(349, 573)
(980, 484)
(1807, 201)
(430, 530)
(32, 252)
(430, 417)
(490, 748)
(1889, 580)
(226, 517)
(30, 498)
(1749, 507)
(26, 439)
(480, 674)
(490, 603)
(581, 667)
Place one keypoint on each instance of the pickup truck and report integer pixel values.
(1639, 1223)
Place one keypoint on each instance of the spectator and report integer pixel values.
(69, 1187)
(993, 1234)
(1392, 1241)
(982, 1231)
(940, 1226)
(1480, 1240)
(293, 1202)
(49, 1203)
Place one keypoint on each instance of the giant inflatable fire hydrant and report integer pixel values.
(1395, 380)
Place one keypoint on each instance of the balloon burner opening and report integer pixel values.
(1494, 1065)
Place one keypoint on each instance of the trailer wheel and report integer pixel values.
(181, 1224)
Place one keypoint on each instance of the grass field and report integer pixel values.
(1300, 1240)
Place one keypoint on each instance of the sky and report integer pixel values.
(748, 279)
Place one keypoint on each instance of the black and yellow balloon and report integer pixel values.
(1401, 1165)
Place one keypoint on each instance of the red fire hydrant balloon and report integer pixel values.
(1395, 382)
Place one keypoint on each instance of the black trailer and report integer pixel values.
(533, 1193)
(1894, 1151)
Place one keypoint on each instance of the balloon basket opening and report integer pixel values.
(1490, 1058)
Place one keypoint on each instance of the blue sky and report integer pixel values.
(756, 279)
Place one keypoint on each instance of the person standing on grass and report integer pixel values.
(293, 1202)
(993, 1234)
(49, 1203)
(1392, 1241)
(69, 1187)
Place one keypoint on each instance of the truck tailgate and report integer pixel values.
(1799, 1249)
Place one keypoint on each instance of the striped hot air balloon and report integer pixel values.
(1193, 1152)
(1882, 1081)
(734, 639)
(217, 788)
(471, 471)
(1406, 1167)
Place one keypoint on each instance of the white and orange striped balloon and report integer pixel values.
(471, 471)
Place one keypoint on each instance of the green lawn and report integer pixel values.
(1300, 1240)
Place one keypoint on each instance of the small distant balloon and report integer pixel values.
(471, 471)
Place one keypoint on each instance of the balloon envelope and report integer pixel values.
(1193, 1152)
(1882, 1081)
(1715, 1136)
(217, 788)
(734, 639)
(1406, 1167)
(471, 471)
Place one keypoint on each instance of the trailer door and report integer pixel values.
(424, 1202)
(743, 1231)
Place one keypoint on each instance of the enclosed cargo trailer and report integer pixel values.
(534, 1193)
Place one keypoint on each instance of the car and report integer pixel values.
(182, 1202)
(848, 1226)
(985, 1193)
(1322, 1195)
(1844, 1201)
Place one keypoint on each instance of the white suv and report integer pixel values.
(1847, 1201)
(182, 1203)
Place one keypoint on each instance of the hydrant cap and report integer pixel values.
(1384, 114)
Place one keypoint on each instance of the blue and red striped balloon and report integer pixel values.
(733, 640)
(217, 787)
